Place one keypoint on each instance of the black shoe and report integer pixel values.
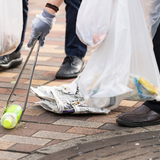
(141, 116)
(10, 60)
(70, 67)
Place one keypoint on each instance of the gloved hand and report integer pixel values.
(41, 25)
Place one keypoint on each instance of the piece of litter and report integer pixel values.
(137, 144)
(80, 153)
(63, 100)
(13, 82)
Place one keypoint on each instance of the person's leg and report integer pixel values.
(74, 48)
(149, 112)
(14, 59)
(154, 105)
(25, 16)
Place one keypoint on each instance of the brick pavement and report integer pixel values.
(41, 132)
(141, 146)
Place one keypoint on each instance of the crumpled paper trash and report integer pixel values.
(62, 100)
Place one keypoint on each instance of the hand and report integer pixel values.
(41, 26)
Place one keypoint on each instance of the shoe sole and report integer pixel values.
(69, 76)
(12, 63)
(130, 124)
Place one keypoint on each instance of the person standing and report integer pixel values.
(75, 50)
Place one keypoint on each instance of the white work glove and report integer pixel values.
(41, 26)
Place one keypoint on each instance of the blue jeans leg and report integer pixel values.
(73, 46)
(25, 15)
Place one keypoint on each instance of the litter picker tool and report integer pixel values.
(28, 90)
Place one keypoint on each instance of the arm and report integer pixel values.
(43, 23)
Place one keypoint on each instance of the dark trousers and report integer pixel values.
(25, 15)
(73, 46)
(154, 105)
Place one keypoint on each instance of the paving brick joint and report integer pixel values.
(41, 133)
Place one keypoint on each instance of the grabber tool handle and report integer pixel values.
(20, 73)
(30, 82)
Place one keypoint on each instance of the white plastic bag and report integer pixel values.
(10, 25)
(126, 51)
(93, 21)
(152, 14)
